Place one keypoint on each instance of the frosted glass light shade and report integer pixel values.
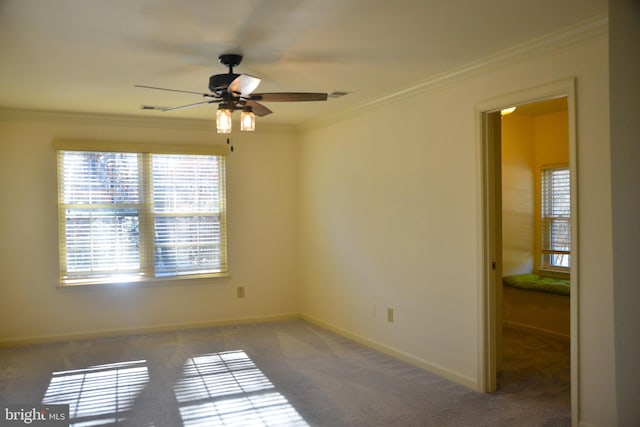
(223, 121)
(247, 121)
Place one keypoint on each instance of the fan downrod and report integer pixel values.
(230, 60)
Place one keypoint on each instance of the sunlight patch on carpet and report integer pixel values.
(98, 395)
(228, 389)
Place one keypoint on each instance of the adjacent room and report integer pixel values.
(536, 242)
(536, 218)
(272, 212)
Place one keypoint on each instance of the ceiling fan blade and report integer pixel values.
(288, 96)
(153, 107)
(181, 107)
(243, 85)
(258, 109)
(177, 90)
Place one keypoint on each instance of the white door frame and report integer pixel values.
(490, 251)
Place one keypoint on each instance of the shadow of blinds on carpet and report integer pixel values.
(99, 394)
(227, 388)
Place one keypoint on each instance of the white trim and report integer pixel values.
(575, 245)
(136, 121)
(542, 92)
(400, 355)
(16, 114)
(489, 337)
(545, 45)
(139, 147)
(454, 376)
(542, 46)
(40, 339)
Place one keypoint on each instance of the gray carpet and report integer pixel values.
(277, 374)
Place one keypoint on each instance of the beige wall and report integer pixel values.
(624, 24)
(390, 214)
(262, 191)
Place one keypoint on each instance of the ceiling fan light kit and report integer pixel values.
(247, 120)
(223, 119)
(236, 92)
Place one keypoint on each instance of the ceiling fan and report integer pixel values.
(236, 92)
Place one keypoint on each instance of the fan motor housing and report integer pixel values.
(220, 82)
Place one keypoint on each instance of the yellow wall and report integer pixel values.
(518, 186)
(551, 147)
(262, 194)
(551, 136)
(529, 142)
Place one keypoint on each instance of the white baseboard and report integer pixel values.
(383, 348)
(10, 342)
(398, 354)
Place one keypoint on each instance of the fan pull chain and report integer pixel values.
(229, 144)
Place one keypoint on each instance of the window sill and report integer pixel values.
(554, 273)
(133, 281)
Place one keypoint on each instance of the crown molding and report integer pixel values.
(545, 45)
(552, 43)
(17, 114)
(134, 121)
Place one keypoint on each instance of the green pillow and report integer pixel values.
(533, 282)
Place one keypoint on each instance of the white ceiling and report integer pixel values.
(86, 55)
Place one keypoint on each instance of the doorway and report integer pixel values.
(496, 259)
(536, 254)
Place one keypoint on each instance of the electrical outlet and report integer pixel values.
(390, 315)
(240, 291)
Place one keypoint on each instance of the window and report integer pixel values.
(139, 213)
(556, 219)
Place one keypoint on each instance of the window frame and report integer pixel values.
(145, 274)
(544, 254)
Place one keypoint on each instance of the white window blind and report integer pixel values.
(131, 216)
(556, 218)
(186, 213)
